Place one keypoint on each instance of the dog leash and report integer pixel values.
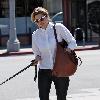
(33, 63)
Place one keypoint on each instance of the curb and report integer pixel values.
(87, 48)
(15, 53)
(30, 51)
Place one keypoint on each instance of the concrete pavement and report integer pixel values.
(94, 95)
(24, 51)
(89, 94)
(85, 96)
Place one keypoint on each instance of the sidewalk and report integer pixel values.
(69, 98)
(28, 50)
(81, 96)
(89, 94)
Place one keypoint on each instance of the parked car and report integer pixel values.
(58, 18)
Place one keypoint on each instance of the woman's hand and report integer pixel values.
(35, 61)
(68, 49)
(37, 58)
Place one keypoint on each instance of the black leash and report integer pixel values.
(33, 63)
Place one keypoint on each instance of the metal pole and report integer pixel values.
(99, 35)
(0, 36)
(13, 44)
(83, 38)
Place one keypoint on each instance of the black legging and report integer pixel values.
(45, 79)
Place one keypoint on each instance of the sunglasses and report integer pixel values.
(40, 19)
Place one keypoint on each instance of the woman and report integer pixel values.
(44, 47)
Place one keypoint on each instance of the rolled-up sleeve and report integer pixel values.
(34, 47)
(67, 36)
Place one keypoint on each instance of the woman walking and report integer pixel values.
(44, 49)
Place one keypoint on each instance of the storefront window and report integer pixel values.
(31, 4)
(4, 8)
(53, 6)
(25, 7)
(78, 14)
(20, 8)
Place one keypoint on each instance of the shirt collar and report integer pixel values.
(50, 24)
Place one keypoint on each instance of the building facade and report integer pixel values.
(74, 16)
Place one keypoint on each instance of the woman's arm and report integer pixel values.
(66, 35)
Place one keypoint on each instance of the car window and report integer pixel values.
(58, 17)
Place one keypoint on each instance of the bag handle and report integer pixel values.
(55, 33)
(78, 58)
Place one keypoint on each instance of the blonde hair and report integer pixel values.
(38, 10)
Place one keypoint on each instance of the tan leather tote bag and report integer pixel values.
(65, 63)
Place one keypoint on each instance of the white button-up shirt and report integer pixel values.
(44, 43)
